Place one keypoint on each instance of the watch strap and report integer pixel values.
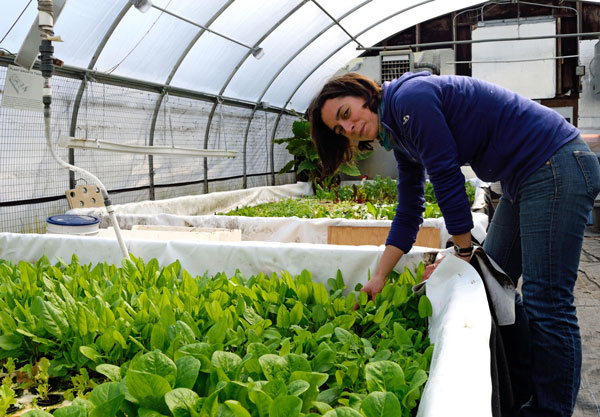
(463, 251)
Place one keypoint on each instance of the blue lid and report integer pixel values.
(72, 220)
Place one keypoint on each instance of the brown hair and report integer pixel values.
(335, 149)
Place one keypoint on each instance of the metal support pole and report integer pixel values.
(83, 86)
(206, 136)
(471, 41)
(245, 148)
(151, 191)
(273, 148)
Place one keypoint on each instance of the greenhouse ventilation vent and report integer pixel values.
(394, 64)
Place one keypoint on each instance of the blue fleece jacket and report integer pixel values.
(438, 123)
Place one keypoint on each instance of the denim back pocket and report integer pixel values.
(588, 162)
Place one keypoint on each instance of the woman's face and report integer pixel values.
(349, 117)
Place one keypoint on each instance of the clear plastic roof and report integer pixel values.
(206, 46)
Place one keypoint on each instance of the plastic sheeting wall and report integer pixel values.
(115, 114)
(27, 172)
(33, 186)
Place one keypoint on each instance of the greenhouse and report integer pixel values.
(189, 227)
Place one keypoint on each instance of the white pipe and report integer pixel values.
(105, 145)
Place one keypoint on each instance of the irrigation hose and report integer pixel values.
(91, 177)
(47, 68)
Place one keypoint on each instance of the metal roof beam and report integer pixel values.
(337, 22)
(343, 45)
(168, 82)
(279, 72)
(235, 70)
(273, 147)
(470, 41)
(289, 61)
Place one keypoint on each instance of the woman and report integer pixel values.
(549, 178)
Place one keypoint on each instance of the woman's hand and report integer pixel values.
(391, 256)
(430, 268)
(372, 287)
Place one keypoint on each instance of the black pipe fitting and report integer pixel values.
(46, 58)
(46, 66)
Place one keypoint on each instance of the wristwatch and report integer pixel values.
(463, 251)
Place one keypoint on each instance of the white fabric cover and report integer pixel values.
(459, 381)
(198, 211)
(203, 204)
(274, 229)
(197, 257)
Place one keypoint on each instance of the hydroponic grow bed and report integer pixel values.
(198, 211)
(459, 382)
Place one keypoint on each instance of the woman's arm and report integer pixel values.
(405, 225)
(463, 241)
(411, 203)
(389, 259)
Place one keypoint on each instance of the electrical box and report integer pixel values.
(595, 69)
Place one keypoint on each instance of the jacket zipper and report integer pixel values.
(399, 142)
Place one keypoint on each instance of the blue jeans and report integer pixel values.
(539, 237)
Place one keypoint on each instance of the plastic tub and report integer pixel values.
(72, 224)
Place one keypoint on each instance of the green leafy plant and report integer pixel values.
(370, 200)
(10, 368)
(221, 345)
(82, 386)
(7, 398)
(42, 377)
(7, 394)
(312, 369)
(315, 208)
(306, 158)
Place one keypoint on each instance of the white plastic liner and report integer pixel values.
(355, 262)
(197, 211)
(459, 383)
(274, 229)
